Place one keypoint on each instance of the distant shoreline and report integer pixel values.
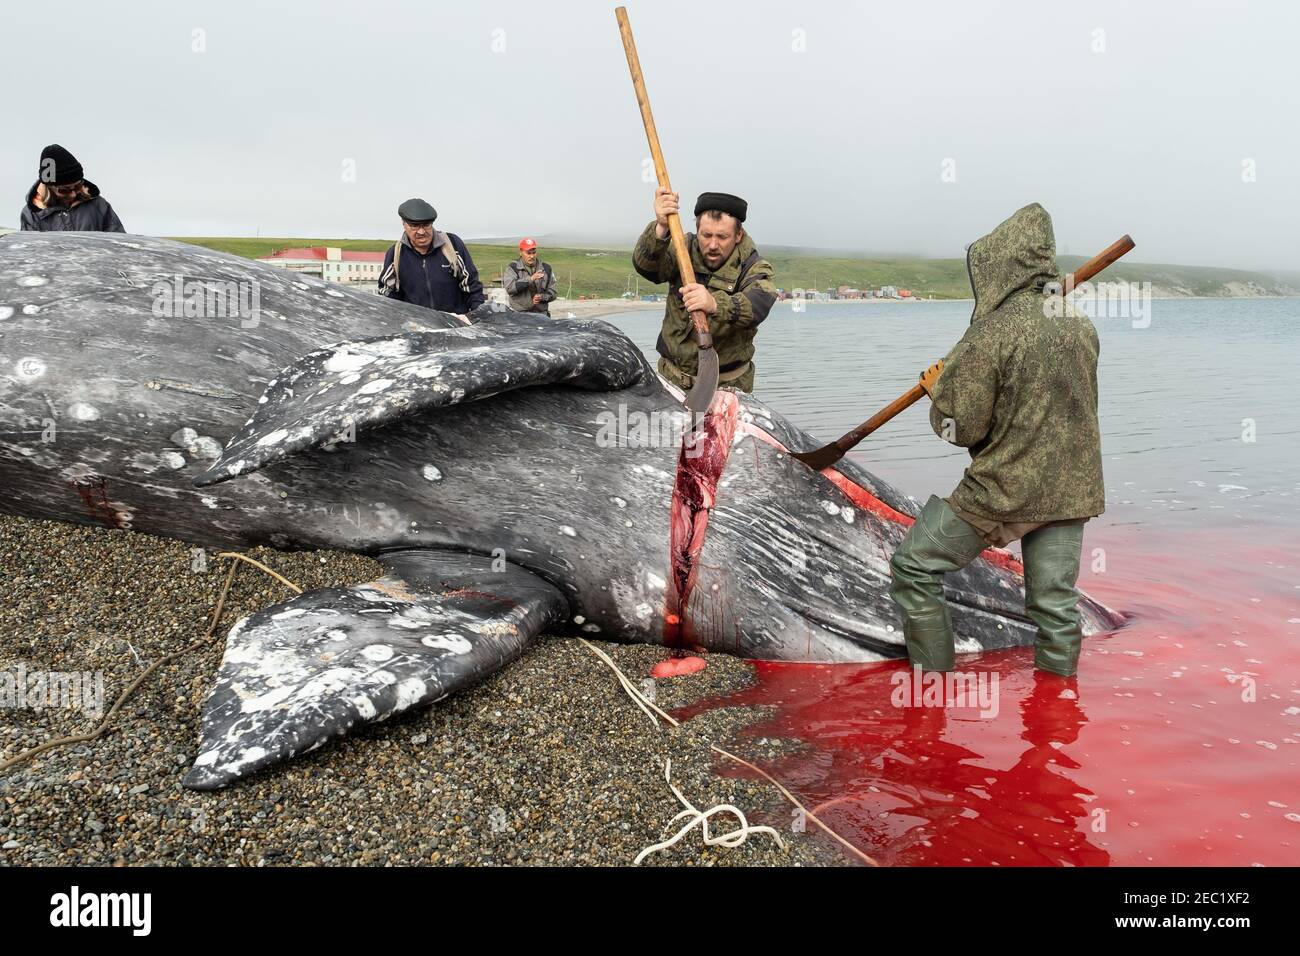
(595, 308)
(585, 308)
(608, 273)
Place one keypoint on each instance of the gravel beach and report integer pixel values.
(547, 762)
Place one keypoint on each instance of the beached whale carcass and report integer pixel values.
(516, 475)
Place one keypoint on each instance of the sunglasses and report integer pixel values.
(66, 190)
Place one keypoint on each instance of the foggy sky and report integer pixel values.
(518, 118)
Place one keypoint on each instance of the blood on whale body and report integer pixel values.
(700, 465)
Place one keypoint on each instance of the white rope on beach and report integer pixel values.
(645, 704)
(806, 812)
(638, 698)
(731, 839)
(236, 556)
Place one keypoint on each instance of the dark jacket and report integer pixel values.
(742, 286)
(435, 280)
(517, 279)
(91, 213)
(1020, 388)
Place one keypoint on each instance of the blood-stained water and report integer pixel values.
(1177, 744)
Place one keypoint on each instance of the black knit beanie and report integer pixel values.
(59, 167)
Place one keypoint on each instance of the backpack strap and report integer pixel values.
(397, 259)
(459, 271)
(745, 266)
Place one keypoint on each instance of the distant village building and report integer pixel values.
(331, 264)
(848, 292)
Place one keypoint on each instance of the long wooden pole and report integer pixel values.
(705, 384)
(828, 455)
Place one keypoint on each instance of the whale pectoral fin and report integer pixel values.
(330, 393)
(303, 672)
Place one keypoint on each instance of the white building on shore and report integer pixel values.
(331, 264)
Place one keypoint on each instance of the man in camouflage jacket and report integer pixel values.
(1020, 392)
(733, 287)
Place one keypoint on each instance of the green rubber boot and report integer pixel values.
(939, 542)
(929, 641)
(1051, 557)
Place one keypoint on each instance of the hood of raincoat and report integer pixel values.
(1017, 259)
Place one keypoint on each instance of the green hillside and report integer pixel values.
(594, 272)
(606, 272)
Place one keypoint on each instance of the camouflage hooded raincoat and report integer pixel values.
(1020, 388)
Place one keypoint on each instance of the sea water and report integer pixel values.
(1179, 743)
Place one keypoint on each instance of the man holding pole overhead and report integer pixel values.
(733, 288)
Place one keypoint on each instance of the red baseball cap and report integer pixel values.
(527, 244)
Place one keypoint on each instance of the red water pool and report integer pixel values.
(1178, 744)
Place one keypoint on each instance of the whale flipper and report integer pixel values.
(303, 672)
(369, 382)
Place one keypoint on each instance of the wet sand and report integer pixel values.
(586, 308)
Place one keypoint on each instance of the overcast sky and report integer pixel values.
(837, 121)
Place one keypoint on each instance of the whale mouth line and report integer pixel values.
(857, 640)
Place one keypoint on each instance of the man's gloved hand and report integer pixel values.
(930, 376)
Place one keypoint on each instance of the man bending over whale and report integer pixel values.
(430, 267)
(1020, 391)
(62, 200)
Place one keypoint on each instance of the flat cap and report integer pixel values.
(417, 210)
(722, 202)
